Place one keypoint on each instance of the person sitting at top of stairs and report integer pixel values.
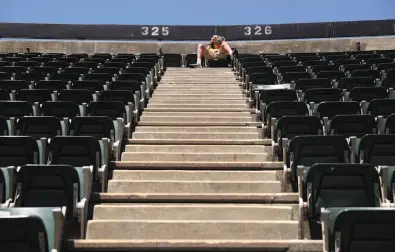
(217, 49)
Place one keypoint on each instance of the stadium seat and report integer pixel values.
(366, 73)
(53, 186)
(95, 86)
(377, 150)
(366, 94)
(69, 77)
(331, 75)
(118, 65)
(63, 110)
(102, 55)
(52, 85)
(311, 63)
(31, 229)
(4, 131)
(14, 85)
(100, 77)
(86, 64)
(386, 66)
(352, 125)
(84, 153)
(309, 150)
(122, 118)
(127, 98)
(287, 69)
(137, 88)
(306, 84)
(30, 64)
(289, 127)
(359, 229)
(352, 82)
(246, 72)
(76, 70)
(12, 110)
(277, 109)
(57, 64)
(107, 70)
(375, 62)
(351, 67)
(4, 95)
(346, 61)
(34, 96)
(295, 76)
(320, 68)
(172, 60)
(265, 97)
(79, 96)
(191, 59)
(78, 55)
(381, 109)
(18, 150)
(277, 64)
(323, 186)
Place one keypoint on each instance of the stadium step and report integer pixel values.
(192, 212)
(196, 172)
(183, 175)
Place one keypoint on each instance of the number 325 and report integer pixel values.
(155, 31)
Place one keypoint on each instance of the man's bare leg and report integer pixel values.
(226, 48)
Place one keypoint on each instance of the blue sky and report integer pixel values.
(187, 12)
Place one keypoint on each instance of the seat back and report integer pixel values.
(52, 85)
(18, 151)
(4, 131)
(60, 109)
(15, 109)
(78, 96)
(361, 229)
(308, 150)
(96, 126)
(130, 85)
(341, 185)
(123, 96)
(377, 149)
(353, 125)
(23, 233)
(38, 127)
(172, 60)
(367, 93)
(381, 107)
(48, 186)
(268, 96)
(34, 95)
(16, 85)
(306, 84)
(330, 109)
(76, 151)
(112, 109)
(292, 126)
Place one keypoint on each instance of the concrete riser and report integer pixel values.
(211, 114)
(198, 148)
(196, 230)
(195, 103)
(198, 129)
(198, 157)
(185, 119)
(207, 187)
(177, 135)
(192, 212)
(183, 175)
(194, 106)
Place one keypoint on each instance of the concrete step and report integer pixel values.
(198, 148)
(194, 91)
(195, 230)
(211, 114)
(192, 157)
(207, 175)
(178, 135)
(267, 142)
(207, 83)
(192, 99)
(163, 186)
(235, 102)
(201, 245)
(173, 106)
(180, 109)
(192, 212)
(198, 129)
(194, 119)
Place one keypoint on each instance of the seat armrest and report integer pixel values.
(117, 150)
(103, 172)
(82, 208)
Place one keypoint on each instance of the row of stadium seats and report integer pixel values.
(60, 126)
(331, 121)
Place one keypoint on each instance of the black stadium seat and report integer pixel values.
(309, 150)
(172, 60)
(78, 96)
(18, 151)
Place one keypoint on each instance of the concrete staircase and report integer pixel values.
(197, 175)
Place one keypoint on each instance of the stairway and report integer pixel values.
(197, 174)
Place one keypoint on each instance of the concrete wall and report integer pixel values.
(281, 46)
